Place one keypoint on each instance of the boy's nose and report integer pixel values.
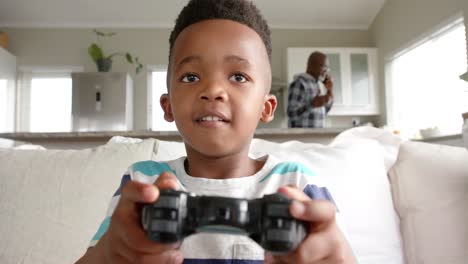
(213, 92)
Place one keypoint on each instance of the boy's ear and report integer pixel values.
(269, 107)
(166, 107)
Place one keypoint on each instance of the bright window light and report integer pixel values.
(159, 87)
(3, 105)
(51, 100)
(426, 91)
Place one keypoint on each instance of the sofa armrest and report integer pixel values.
(430, 192)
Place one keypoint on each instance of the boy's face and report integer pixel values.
(219, 81)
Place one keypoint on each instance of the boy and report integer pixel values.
(219, 78)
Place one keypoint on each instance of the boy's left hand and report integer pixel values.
(324, 243)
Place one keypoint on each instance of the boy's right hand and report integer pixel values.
(125, 241)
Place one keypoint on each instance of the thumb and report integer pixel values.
(304, 208)
(167, 180)
(318, 211)
(169, 256)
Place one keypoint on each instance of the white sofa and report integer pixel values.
(399, 203)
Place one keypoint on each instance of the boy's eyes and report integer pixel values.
(188, 78)
(237, 77)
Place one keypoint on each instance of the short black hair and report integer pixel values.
(314, 56)
(242, 11)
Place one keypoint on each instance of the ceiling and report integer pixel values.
(330, 14)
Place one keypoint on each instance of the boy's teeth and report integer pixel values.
(211, 118)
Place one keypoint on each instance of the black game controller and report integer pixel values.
(177, 214)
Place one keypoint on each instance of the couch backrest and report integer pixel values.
(430, 192)
(52, 201)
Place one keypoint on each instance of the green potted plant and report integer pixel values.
(103, 61)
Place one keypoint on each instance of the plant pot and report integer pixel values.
(3, 40)
(104, 65)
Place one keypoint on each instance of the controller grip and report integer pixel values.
(163, 220)
(281, 232)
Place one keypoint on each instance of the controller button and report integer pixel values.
(164, 226)
(279, 235)
(173, 215)
(167, 202)
(159, 213)
(224, 213)
(278, 210)
(279, 223)
(168, 214)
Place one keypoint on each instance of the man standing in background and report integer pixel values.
(307, 106)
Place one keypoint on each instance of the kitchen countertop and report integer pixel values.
(261, 132)
(438, 138)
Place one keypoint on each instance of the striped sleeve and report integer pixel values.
(319, 193)
(144, 172)
(113, 204)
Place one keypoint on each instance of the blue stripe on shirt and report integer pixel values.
(148, 168)
(151, 168)
(102, 229)
(287, 167)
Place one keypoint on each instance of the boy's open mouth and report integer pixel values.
(211, 119)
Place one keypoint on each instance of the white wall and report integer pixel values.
(400, 22)
(50, 47)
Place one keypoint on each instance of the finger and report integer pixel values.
(126, 219)
(170, 257)
(135, 238)
(293, 193)
(316, 248)
(136, 192)
(317, 211)
(304, 208)
(272, 259)
(167, 180)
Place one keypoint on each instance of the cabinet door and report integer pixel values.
(363, 80)
(335, 63)
(360, 84)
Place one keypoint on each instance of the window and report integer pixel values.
(425, 89)
(50, 104)
(159, 87)
(3, 105)
(45, 99)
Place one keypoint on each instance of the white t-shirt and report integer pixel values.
(216, 247)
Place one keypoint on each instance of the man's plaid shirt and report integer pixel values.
(301, 113)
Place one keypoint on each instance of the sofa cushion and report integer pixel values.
(52, 201)
(355, 167)
(430, 187)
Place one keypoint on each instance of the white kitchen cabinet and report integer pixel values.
(354, 72)
(7, 90)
